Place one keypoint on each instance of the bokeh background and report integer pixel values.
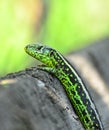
(66, 25)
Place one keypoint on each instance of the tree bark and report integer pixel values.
(33, 99)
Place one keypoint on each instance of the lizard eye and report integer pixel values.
(39, 47)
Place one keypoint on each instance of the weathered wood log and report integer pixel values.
(35, 100)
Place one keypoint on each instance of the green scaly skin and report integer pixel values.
(80, 99)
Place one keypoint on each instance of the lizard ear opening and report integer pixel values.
(51, 53)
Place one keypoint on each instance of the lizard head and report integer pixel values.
(42, 53)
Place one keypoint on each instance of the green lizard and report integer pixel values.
(79, 97)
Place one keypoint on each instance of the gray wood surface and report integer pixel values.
(35, 100)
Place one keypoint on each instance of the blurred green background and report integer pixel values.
(66, 25)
